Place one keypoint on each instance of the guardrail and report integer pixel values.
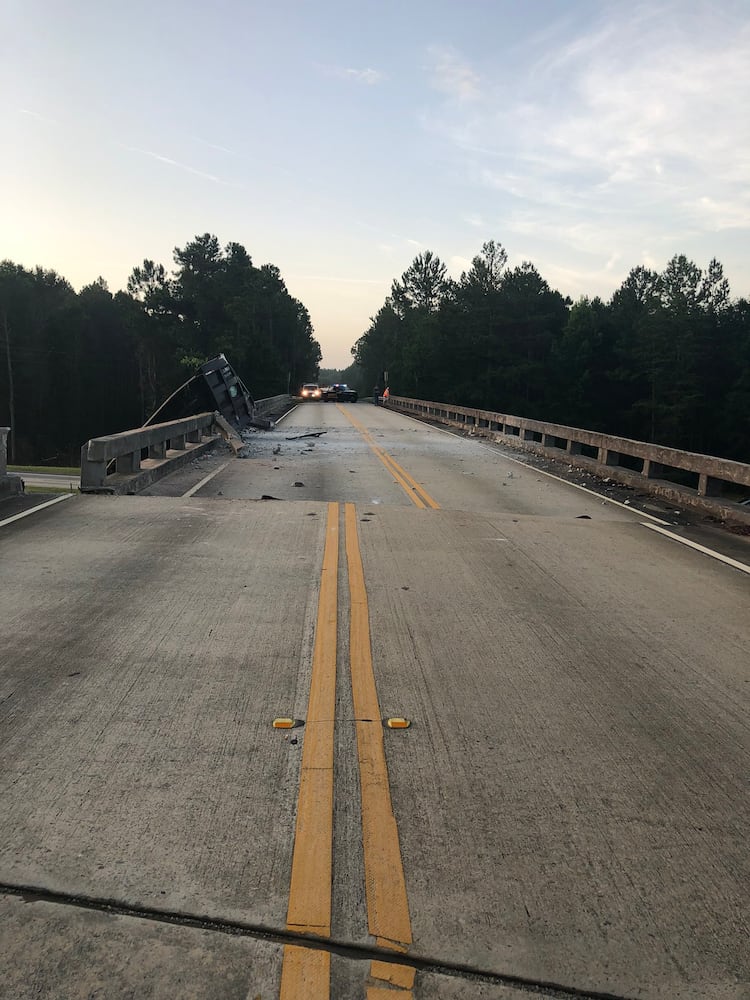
(710, 484)
(272, 405)
(167, 445)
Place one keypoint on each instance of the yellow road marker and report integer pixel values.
(284, 723)
(414, 490)
(306, 972)
(387, 905)
(397, 723)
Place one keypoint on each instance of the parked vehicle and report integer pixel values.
(310, 390)
(339, 393)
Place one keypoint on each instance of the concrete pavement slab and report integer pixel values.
(569, 798)
(139, 762)
(56, 952)
(570, 795)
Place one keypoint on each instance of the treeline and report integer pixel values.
(79, 365)
(666, 359)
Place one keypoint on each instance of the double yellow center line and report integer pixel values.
(306, 971)
(414, 490)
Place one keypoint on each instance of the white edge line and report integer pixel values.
(205, 480)
(285, 415)
(593, 493)
(700, 548)
(41, 506)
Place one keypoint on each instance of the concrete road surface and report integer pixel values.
(566, 816)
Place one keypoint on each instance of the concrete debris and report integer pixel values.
(311, 434)
(298, 484)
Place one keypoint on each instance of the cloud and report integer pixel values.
(629, 131)
(719, 215)
(213, 145)
(368, 76)
(173, 163)
(453, 76)
(475, 220)
(35, 114)
(458, 264)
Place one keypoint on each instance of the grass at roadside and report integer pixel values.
(51, 470)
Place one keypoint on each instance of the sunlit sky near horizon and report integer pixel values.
(338, 139)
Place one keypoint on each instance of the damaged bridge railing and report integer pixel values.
(130, 461)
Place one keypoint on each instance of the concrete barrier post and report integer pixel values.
(93, 474)
(129, 463)
(708, 486)
(4, 431)
(157, 450)
(177, 443)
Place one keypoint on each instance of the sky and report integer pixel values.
(339, 139)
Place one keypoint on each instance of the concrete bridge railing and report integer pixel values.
(167, 445)
(272, 405)
(712, 485)
(9, 483)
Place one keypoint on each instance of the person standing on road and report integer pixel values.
(386, 396)
(376, 395)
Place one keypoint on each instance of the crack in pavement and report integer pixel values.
(343, 949)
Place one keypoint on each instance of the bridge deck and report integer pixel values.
(568, 805)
